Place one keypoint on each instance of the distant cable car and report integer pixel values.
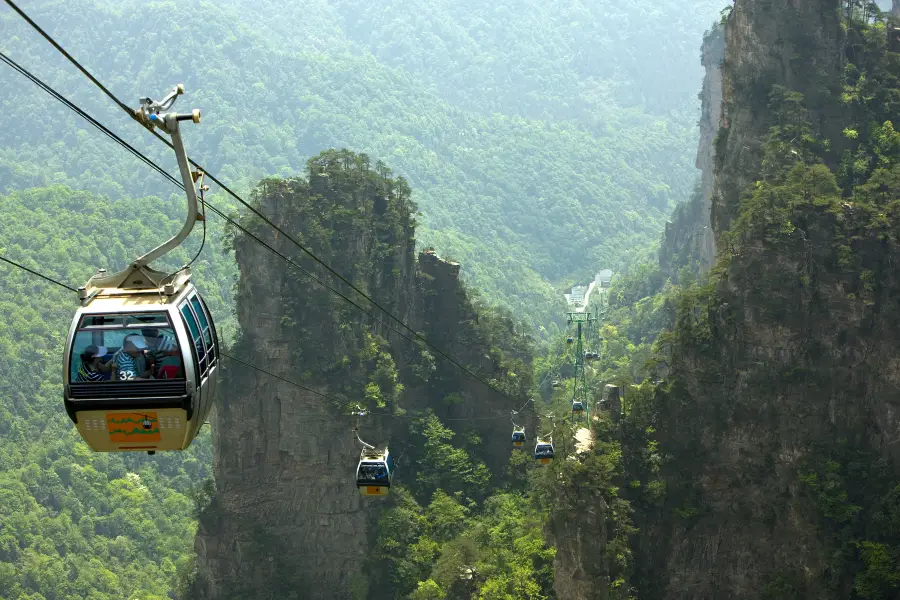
(570, 340)
(376, 467)
(577, 406)
(555, 383)
(518, 437)
(142, 354)
(543, 452)
(374, 472)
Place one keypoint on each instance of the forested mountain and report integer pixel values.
(759, 457)
(539, 139)
(543, 139)
(753, 450)
(74, 523)
(744, 439)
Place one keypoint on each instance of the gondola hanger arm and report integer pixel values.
(359, 439)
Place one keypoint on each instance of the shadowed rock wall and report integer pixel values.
(287, 521)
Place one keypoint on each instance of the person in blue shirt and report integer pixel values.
(132, 360)
(92, 366)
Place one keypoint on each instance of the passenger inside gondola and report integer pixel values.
(132, 359)
(372, 474)
(125, 347)
(93, 368)
(543, 451)
(163, 354)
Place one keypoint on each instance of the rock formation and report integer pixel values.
(778, 423)
(287, 520)
(775, 433)
(711, 55)
(688, 240)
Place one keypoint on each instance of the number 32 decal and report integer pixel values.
(126, 374)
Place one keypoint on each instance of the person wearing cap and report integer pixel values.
(131, 359)
(162, 344)
(163, 349)
(92, 366)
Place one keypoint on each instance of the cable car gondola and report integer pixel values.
(376, 467)
(142, 354)
(543, 452)
(555, 384)
(577, 406)
(570, 340)
(374, 472)
(518, 437)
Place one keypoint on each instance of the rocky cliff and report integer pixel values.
(767, 464)
(579, 532)
(797, 44)
(590, 520)
(688, 240)
(286, 520)
(711, 56)
(778, 420)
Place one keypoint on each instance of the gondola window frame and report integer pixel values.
(189, 314)
(204, 320)
(212, 330)
(193, 330)
(204, 336)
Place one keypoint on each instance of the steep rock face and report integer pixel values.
(794, 43)
(688, 240)
(287, 520)
(590, 521)
(712, 53)
(779, 425)
(747, 475)
(452, 323)
(579, 534)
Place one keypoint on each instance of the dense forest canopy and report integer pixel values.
(542, 139)
(74, 523)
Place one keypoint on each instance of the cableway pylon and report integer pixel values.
(580, 404)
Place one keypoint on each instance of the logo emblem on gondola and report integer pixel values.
(133, 427)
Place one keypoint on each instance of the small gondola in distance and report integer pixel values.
(374, 472)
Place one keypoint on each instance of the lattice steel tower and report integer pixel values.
(580, 402)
